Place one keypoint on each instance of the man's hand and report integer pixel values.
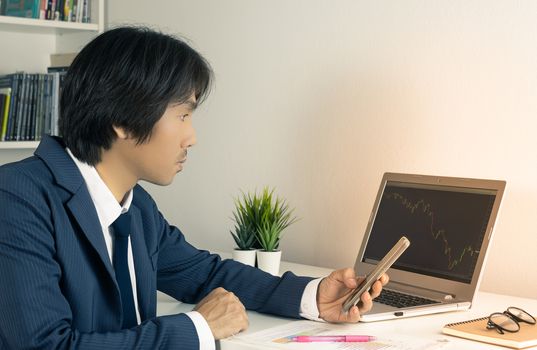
(224, 313)
(334, 290)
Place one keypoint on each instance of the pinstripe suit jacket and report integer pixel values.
(57, 286)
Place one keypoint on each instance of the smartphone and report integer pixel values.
(377, 272)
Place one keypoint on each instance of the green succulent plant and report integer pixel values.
(261, 218)
(275, 216)
(244, 234)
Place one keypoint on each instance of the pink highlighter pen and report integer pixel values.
(333, 338)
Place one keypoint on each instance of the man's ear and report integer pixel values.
(121, 133)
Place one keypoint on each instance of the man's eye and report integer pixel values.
(183, 117)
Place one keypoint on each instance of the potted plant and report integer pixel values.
(273, 216)
(244, 234)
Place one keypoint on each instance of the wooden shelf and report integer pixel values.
(19, 144)
(29, 25)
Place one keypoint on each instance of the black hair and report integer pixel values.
(126, 77)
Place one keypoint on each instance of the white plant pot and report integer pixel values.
(246, 257)
(269, 261)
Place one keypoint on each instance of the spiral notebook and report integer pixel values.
(477, 330)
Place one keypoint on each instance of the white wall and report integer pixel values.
(320, 97)
(28, 49)
(23, 51)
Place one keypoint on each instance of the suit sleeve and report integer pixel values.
(189, 274)
(33, 311)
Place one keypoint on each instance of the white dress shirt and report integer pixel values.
(108, 210)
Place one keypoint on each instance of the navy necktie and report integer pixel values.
(122, 228)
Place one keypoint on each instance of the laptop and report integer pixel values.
(449, 222)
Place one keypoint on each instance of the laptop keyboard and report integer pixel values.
(401, 300)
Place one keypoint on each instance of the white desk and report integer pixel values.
(425, 327)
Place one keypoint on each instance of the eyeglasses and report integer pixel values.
(508, 321)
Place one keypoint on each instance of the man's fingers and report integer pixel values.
(376, 288)
(224, 313)
(353, 315)
(346, 276)
(335, 288)
(384, 279)
(366, 302)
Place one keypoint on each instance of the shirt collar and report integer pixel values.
(108, 209)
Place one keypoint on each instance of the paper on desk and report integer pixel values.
(280, 338)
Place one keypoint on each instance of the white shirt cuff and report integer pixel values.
(308, 303)
(205, 335)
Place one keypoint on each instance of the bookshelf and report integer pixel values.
(29, 42)
(30, 25)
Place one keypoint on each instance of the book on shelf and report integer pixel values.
(30, 105)
(22, 8)
(57, 10)
(12, 81)
(5, 98)
(2, 7)
(476, 329)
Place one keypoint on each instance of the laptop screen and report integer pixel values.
(445, 225)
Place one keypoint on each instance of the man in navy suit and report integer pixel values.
(83, 248)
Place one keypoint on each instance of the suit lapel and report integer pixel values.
(52, 151)
(145, 276)
(83, 210)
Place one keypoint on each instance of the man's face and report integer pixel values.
(163, 155)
